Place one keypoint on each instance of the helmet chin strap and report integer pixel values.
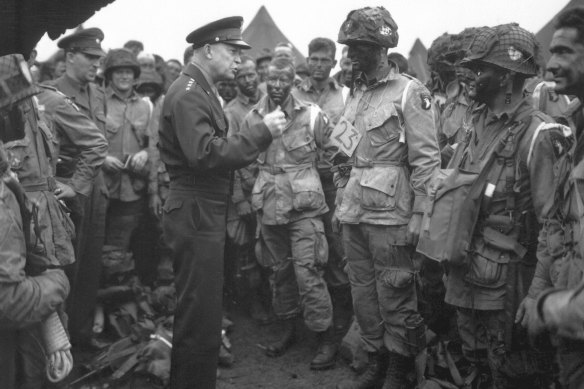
(509, 90)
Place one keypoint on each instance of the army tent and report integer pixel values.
(263, 33)
(544, 36)
(418, 61)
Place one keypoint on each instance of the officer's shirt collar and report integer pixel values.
(76, 85)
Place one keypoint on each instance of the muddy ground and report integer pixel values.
(253, 369)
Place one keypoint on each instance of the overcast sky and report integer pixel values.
(162, 25)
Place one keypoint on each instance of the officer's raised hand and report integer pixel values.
(275, 121)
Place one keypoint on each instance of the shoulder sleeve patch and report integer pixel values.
(425, 101)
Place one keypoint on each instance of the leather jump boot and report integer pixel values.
(372, 377)
(287, 339)
(397, 371)
(327, 350)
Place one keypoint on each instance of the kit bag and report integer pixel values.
(455, 197)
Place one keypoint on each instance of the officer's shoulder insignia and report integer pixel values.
(426, 101)
(190, 84)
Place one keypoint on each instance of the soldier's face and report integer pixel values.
(364, 58)
(486, 83)
(279, 84)
(123, 79)
(227, 90)
(83, 67)
(173, 70)
(567, 61)
(247, 78)
(263, 69)
(320, 64)
(225, 61)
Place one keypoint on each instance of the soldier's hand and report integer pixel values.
(414, 227)
(138, 161)
(112, 164)
(243, 209)
(335, 224)
(155, 205)
(275, 120)
(64, 191)
(523, 312)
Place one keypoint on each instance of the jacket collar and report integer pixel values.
(202, 78)
(292, 106)
(307, 86)
(110, 93)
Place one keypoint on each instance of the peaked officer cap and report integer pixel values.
(87, 41)
(226, 30)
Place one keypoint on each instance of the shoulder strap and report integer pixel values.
(345, 92)
(314, 111)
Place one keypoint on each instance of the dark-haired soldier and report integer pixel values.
(290, 202)
(558, 280)
(199, 158)
(323, 90)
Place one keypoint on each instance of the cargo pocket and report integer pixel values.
(488, 265)
(306, 191)
(321, 250)
(378, 185)
(397, 278)
(298, 141)
(383, 126)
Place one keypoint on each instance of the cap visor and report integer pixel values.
(94, 51)
(240, 44)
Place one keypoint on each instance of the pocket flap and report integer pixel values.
(382, 180)
(305, 181)
(380, 116)
(172, 204)
(296, 138)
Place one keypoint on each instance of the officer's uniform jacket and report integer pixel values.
(288, 186)
(127, 130)
(89, 98)
(31, 159)
(397, 154)
(483, 284)
(81, 146)
(193, 143)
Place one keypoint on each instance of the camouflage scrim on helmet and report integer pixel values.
(16, 82)
(372, 25)
(437, 58)
(507, 46)
(121, 58)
